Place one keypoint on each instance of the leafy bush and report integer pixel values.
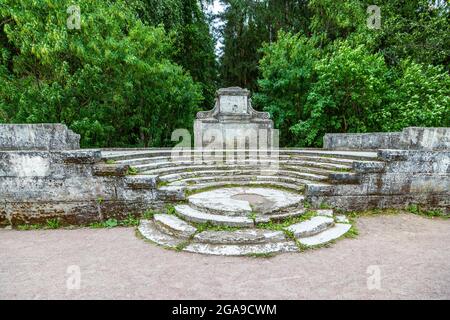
(113, 80)
(310, 92)
(350, 89)
(287, 70)
(421, 98)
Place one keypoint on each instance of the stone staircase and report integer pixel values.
(293, 170)
(253, 206)
(215, 222)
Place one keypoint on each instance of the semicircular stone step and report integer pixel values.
(280, 216)
(174, 173)
(328, 235)
(194, 215)
(245, 236)
(275, 184)
(150, 231)
(174, 226)
(322, 174)
(146, 165)
(237, 201)
(276, 178)
(242, 250)
(310, 227)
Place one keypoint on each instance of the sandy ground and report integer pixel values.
(410, 254)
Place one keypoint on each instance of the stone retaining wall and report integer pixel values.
(76, 187)
(412, 138)
(401, 178)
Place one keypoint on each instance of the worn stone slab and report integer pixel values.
(171, 193)
(311, 227)
(281, 216)
(246, 236)
(225, 183)
(141, 182)
(194, 215)
(223, 201)
(174, 225)
(328, 235)
(342, 219)
(324, 212)
(242, 250)
(149, 231)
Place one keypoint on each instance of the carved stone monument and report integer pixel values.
(233, 123)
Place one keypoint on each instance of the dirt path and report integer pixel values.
(410, 253)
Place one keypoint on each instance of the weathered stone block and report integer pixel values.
(118, 170)
(37, 137)
(412, 138)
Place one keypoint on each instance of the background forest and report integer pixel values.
(138, 69)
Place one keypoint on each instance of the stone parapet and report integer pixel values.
(413, 138)
(37, 137)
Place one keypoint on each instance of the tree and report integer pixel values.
(287, 73)
(421, 98)
(247, 25)
(113, 80)
(351, 88)
(186, 22)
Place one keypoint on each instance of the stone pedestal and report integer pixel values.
(234, 124)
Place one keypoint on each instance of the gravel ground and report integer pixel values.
(410, 253)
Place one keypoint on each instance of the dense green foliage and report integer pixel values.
(117, 80)
(138, 69)
(187, 24)
(341, 76)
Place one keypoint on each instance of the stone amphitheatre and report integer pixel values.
(234, 192)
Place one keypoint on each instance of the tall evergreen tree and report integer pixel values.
(189, 26)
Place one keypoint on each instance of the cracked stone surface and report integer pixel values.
(194, 215)
(173, 225)
(342, 219)
(240, 250)
(150, 232)
(238, 201)
(328, 235)
(310, 227)
(252, 236)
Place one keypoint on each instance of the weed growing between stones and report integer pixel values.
(261, 255)
(188, 193)
(162, 184)
(208, 226)
(324, 206)
(26, 227)
(132, 171)
(433, 213)
(53, 223)
(279, 226)
(170, 209)
(414, 209)
(181, 246)
(148, 215)
(253, 216)
(49, 224)
(129, 221)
